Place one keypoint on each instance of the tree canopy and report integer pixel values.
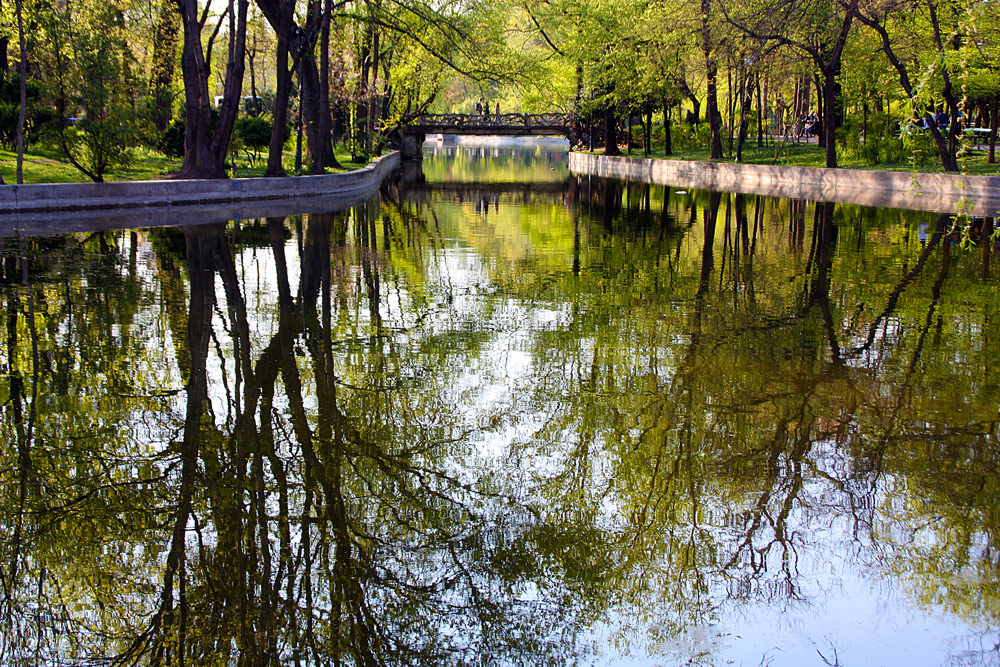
(879, 78)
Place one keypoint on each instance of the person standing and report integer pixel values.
(498, 113)
(479, 107)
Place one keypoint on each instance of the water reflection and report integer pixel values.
(479, 424)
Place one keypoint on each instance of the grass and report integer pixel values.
(810, 155)
(45, 164)
(244, 168)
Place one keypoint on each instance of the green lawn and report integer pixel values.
(46, 165)
(246, 169)
(811, 155)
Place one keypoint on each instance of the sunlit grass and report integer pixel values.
(247, 168)
(45, 164)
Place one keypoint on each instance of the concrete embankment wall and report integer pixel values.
(943, 193)
(65, 207)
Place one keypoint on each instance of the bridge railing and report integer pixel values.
(519, 120)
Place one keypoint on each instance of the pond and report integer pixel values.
(502, 414)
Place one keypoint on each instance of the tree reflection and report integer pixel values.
(733, 460)
(349, 439)
(322, 527)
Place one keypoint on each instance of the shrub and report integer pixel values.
(253, 134)
(171, 140)
(880, 144)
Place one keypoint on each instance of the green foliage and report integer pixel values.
(91, 77)
(171, 141)
(686, 136)
(878, 145)
(37, 115)
(254, 133)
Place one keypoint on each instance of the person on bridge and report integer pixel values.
(498, 112)
(479, 107)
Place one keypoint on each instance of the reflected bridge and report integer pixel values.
(411, 137)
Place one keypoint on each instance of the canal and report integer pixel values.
(504, 415)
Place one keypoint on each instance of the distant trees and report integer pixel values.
(817, 28)
(102, 78)
(766, 64)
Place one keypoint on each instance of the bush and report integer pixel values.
(253, 135)
(171, 140)
(879, 145)
(254, 131)
(685, 136)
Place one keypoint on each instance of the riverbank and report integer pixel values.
(47, 164)
(943, 193)
(43, 208)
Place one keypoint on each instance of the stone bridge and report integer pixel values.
(411, 137)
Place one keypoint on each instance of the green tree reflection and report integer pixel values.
(471, 425)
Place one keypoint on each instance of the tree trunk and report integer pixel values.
(204, 150)
(23, 69)
(4, 45)
(324, 144)
(373, 107)
(695, 110)
(628, 134)
(577, 99)
(745, 93)
(761, 101)
(647, 146)
(282, 91)
(995, 121)
(362, 104)
(821, 103)
(312, 95)
(667, 139)
(804, 100)
(829, 133)
(610, 138)
(712, 99)
(730, 103)
(300, 122)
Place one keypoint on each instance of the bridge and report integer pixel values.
(411, 137)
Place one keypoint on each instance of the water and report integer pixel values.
(502, 415)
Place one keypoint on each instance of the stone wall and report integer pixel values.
(41, 198)
(943, 193)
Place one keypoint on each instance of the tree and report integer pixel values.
(255, 134)
(166, 31)
(708, 48)
(205, 149)
(280, 14)
(819, 29)
(887, 18)
(91, 76)
(23, 70)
